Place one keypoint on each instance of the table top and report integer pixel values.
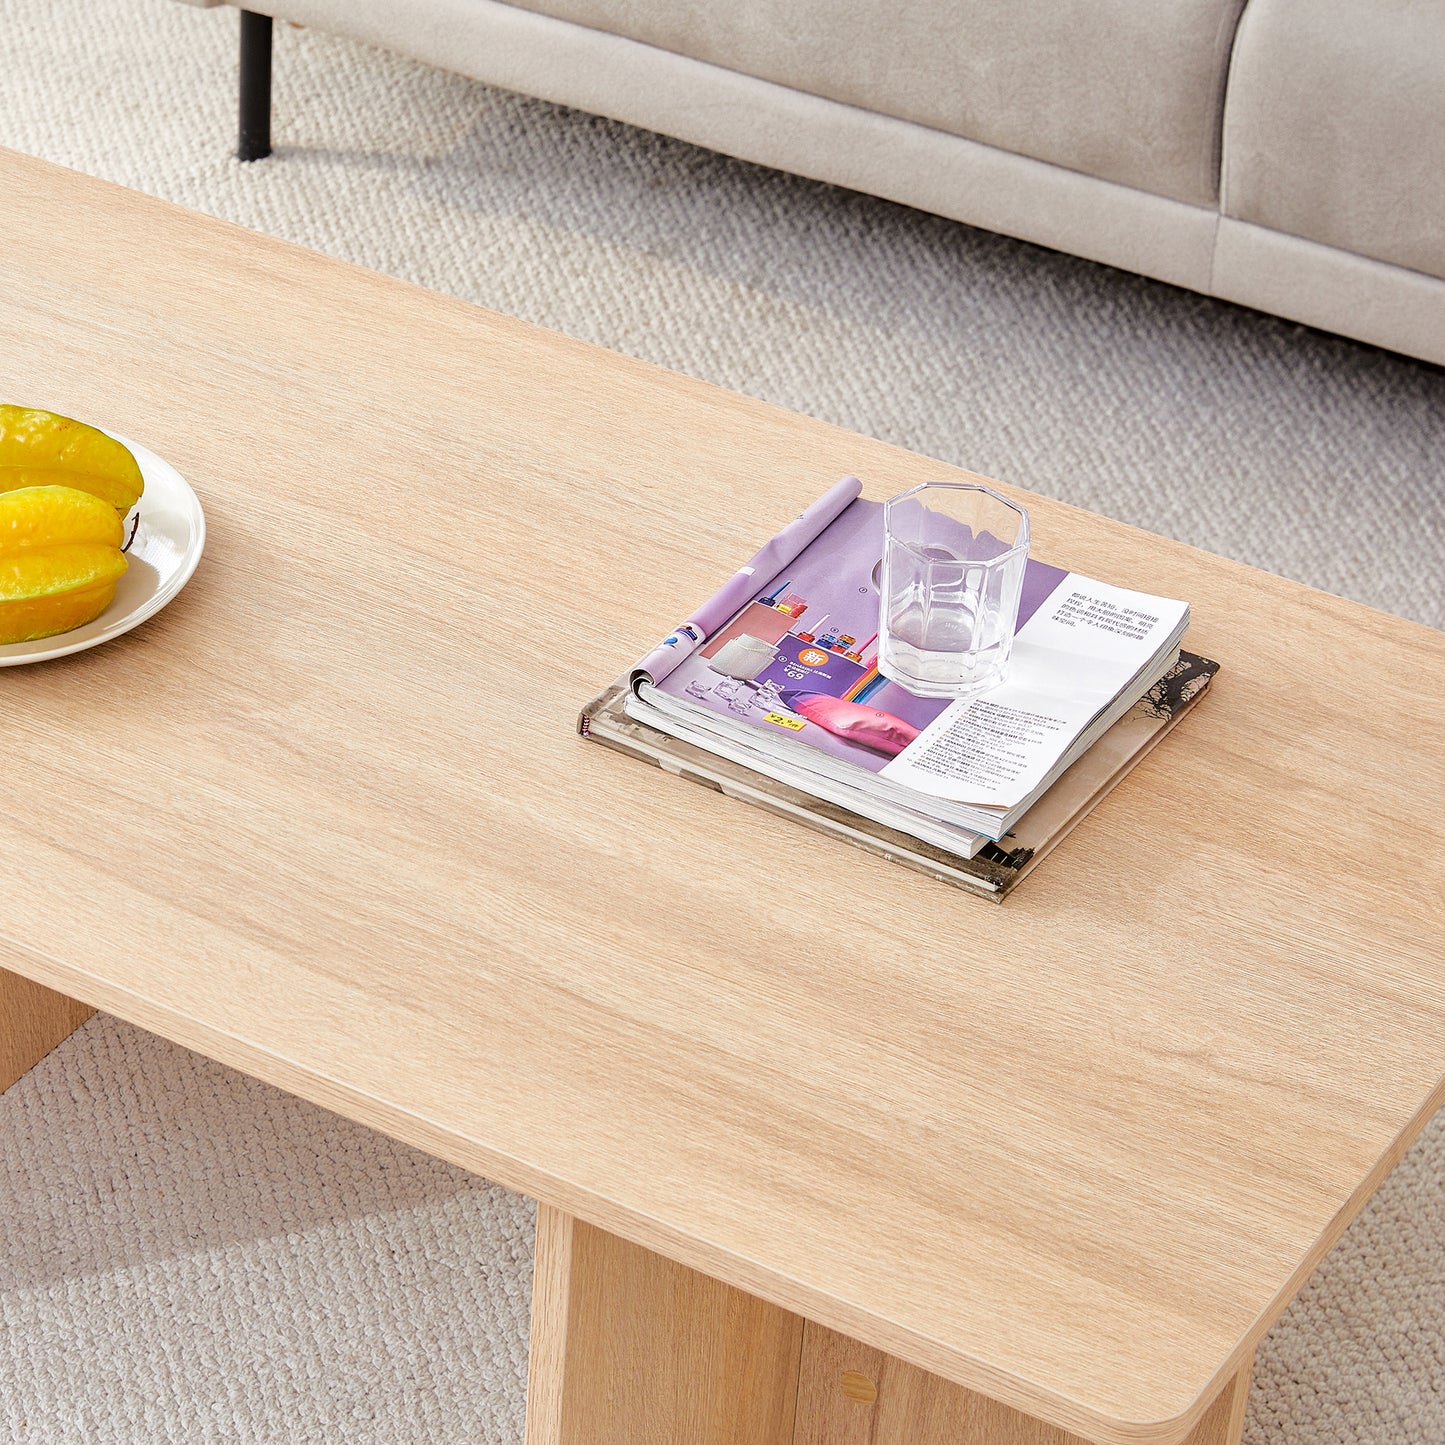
(327, 819)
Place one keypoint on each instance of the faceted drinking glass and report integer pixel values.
(953, 571)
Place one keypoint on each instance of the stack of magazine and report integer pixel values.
(770, 692)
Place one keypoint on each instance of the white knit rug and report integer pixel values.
(186, 1255)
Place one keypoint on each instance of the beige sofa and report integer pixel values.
(1286, 154)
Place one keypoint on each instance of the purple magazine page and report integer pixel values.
(764, 564)
(796, 652)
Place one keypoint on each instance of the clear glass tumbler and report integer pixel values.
(952, 574)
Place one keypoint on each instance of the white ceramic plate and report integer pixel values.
(169, 537)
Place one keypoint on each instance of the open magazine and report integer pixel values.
(769, 693)
(777, 671)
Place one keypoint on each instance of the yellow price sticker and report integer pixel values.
(796, 723)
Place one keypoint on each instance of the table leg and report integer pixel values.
(33, 1019)
(629, 1348)
(849, 1394)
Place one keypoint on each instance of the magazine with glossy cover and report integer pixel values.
(771, 691)
(778, 670)
(993, 869)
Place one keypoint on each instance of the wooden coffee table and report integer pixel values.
(826, 1152)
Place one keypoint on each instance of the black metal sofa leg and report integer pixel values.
(255, 135)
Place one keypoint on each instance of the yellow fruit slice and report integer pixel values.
(60, 560)
(38, 617)
(46, 571)
(33, 517)
(40, 448)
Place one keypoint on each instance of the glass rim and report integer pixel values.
(1019, 544)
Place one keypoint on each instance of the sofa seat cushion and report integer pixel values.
(1127, 90)
(1335, 127)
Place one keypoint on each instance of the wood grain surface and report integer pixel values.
(326, 819)
(547, 1338)
(33, 1019)
(850, 1394)
(629, 1348)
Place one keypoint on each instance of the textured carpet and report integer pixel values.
(187, 1255)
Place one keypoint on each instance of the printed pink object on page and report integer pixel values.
(853, 721)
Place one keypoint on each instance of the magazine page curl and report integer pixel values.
(768, 562)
